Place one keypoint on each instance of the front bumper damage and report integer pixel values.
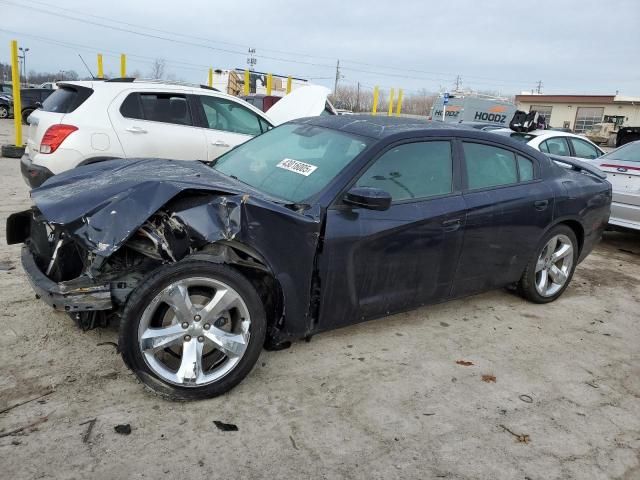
(72, 296)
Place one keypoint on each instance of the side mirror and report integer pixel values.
(367, 197)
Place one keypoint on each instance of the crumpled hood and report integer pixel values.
(104, 204)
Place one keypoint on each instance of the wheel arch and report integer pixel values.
(252, 265)
(575, 226)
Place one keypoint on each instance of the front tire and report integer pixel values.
(192, 330)
(4, 112)
(551, 267)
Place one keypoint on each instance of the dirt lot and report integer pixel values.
(384, 399)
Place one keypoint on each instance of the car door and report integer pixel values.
(157, 124)
(376, 262)
(583, 149)
(508, 208)
(228, 123)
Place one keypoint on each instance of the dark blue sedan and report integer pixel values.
(314, 225)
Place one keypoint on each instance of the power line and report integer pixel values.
(226, 50)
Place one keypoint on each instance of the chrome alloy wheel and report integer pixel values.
(554, 265)
(194, 332)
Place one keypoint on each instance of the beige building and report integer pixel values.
(580, 112)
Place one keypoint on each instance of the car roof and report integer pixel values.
(380, 126)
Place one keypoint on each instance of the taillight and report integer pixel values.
(54, 136)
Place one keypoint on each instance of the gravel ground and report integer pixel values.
(550, 391)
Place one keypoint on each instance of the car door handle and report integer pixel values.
(136, 130)
(541, 204)
(451, 225)
(220, 143)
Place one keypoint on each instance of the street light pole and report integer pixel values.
(24, 64)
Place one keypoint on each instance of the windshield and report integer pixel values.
(627, 153)
(519, 137)
(293, 161)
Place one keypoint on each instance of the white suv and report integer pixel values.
(92, 121)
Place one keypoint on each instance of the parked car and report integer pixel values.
(261, 101)
(555, 142)
(623, 172)
(91, 121)
(319, 223)
(6, 105)
(32, 99)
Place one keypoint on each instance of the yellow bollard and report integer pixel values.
(289, 84)
(210, 77)
(376, 95)
(123, 65)
(269, 84)
(399, 106)
(246, 86)
(390, 112)
(15, 84)
(100, 66)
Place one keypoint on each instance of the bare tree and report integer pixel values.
(158, 69)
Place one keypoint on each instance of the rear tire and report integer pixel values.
(551, 267)
(25, 115)
(192, 330)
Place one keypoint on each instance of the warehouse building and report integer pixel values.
(581, 112)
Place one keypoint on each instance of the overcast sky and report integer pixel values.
(573, 46)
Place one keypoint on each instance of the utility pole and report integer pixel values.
(251, 59)
(458, 83)
(358, 99)
(539, 87)
(335, 86)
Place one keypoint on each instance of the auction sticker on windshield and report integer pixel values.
(297, 166)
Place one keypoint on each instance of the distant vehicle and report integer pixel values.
(486, 127)
(48, 85)
(318, 224)
(32, 99)
(91, 121)
(470, 108)
(6, 88)
(343, 111)
(626, 135)
(555, 142)
(261, 101)
(6, 105)
(622, 167)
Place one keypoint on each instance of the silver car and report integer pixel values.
(622, 167)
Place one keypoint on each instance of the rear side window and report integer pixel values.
(412, 171)
(584, 149)
(489, 166)
(157, 107)
(66, 99)
(525, 167)
(556, 146)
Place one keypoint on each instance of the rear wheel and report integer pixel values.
(193, 330)
(551, 268)
(25, 115)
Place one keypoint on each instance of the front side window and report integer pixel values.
(293, 162)
(230, 116)
(412, 171)
(489, 166)
(556, 146)
(584, 149)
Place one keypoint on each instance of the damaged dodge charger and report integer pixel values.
(317, 224)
